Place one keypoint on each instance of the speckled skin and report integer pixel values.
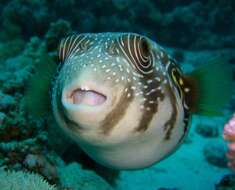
(144, 116)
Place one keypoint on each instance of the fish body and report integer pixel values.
(121, 97)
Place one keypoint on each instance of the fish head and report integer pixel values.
(113, 96)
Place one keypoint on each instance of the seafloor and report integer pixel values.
(34, 156)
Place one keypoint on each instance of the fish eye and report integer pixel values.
(145, 48)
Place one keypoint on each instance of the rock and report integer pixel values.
(207, 130)
(74, 177)
(40, 164)
(226, 183)
(215, 154)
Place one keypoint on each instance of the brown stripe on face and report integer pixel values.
(116, 115)
(148, 114)
(170, 124)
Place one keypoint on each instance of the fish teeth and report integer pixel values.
(85, 88)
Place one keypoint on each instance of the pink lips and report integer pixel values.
(87, 97)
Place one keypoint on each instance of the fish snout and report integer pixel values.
(85, 97)
(86, 104)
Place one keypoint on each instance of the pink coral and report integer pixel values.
(229, 134)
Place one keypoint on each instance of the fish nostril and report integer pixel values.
(87, 97)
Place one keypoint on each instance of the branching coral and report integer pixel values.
(20, 135)
(21, 181)
(229, 134)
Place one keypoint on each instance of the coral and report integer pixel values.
(122, 4)
(207, 130)
(16, 13)
(6, 101)
(229, 134)
(215, 154)
(40, 164)
(172, 23)
(17, 72)
(21, 181)
(56, 32)
(11, 49)
(226, 183)
(74, 177)
(2, 118)
(20, 135)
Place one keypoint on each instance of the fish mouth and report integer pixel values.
(87, 97)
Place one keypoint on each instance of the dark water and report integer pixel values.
(193, 32)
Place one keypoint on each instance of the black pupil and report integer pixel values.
(145, 48)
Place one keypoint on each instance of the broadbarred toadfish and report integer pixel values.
(124, 100)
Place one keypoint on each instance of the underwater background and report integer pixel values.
(34, 156)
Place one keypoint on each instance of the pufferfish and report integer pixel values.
(125, 101)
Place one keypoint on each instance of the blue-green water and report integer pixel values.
(193, 32)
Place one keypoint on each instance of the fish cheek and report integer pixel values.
(116, 114)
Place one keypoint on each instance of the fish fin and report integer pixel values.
(213, 87)
(37, 91)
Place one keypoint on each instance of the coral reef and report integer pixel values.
(21, 180)
(229, 134)
(172, 23)
(21, 137)
(56, 32)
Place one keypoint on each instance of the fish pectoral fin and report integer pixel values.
(212, 87)
(36, 95)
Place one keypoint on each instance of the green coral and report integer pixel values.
(11, 48)
(56, 32)
(22, 181)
